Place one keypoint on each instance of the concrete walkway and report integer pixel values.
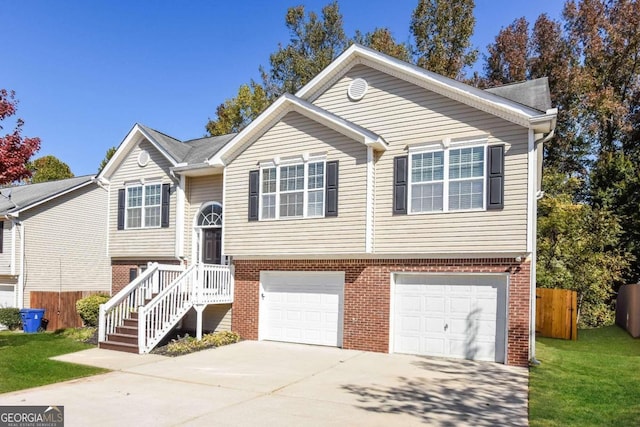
(265, 383)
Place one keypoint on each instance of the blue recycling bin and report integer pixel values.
(31, 319)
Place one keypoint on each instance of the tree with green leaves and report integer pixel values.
(382, 40)
(235, 113)
(578, 249)
(49, 168)
(108, 155)
(442, 31)
(315, 42)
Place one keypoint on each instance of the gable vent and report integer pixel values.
(357, 89)
(143, 158)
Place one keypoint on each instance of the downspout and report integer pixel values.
(532, 298)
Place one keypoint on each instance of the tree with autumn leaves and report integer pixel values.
(15, 149)
(589, 221)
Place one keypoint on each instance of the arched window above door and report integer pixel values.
(210, 216)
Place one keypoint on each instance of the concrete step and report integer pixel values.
(118, 346)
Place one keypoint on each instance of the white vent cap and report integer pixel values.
(143, 158)
(357, 89)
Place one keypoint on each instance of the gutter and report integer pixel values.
(534, 256)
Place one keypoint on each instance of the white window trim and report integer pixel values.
(142, 184)
(446, 145)
(278, 163)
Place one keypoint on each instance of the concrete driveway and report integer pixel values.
(275, 384)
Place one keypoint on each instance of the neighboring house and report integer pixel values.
(52, 239)
(381, 208)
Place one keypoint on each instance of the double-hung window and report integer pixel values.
(143, 206)
(292, 189)
(447, 178)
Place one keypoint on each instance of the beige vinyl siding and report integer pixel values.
(215, 317)
(65, 243)
(292, 136)
(405, 115)
(199, 191)
(7, 257)
(141, 243)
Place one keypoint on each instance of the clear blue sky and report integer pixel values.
(86, 71)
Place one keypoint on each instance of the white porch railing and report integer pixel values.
(176, 291)
(162, 313)
(152, 281)
(216, 284)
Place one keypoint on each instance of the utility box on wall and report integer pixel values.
(628, 309)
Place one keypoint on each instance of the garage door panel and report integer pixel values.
(434, 304)
(436, 347)
(460, 315)
(302, 307)
(410, 324)
(433, 324)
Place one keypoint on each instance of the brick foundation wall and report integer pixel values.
(120, 271)
(367, 296)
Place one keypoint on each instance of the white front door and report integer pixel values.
(301, 307)
(459, 316)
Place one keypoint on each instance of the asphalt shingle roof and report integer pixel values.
(19, 197)
(204, 148)
(174, 147)
(532, 93)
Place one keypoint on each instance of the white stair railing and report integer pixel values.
(153, 280)
(163, 312)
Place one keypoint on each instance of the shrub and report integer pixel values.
(89, 308)
(10, 317)
(596, 316)
(189, 344)
(77, 334)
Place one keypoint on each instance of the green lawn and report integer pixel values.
(24, 360)
(594, 381)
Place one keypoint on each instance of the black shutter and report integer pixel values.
(1, 236)
(495, 174)
(166, 195)
(254, 197)
(400, 175)
(331, 190)
(121, 209)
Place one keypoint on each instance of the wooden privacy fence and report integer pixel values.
(59, 307)
(556, 313)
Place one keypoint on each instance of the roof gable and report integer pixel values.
(523, 115)
(283, 105)
(166, 145)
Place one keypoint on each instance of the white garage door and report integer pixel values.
(460, 316)
(7, 296)
(301, 307)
